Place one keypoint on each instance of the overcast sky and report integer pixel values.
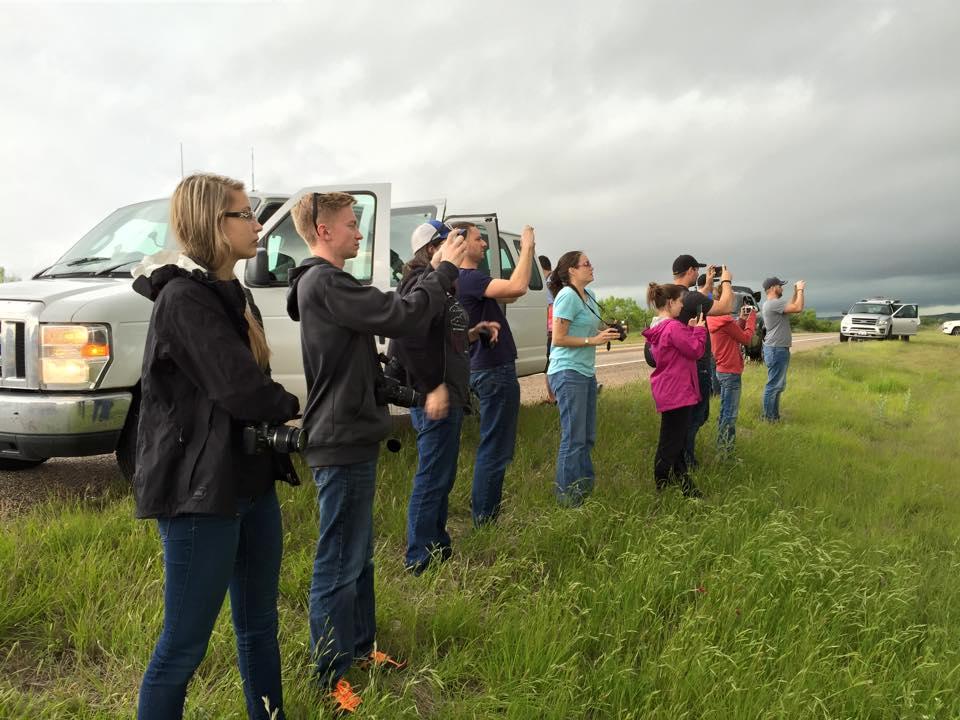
(816, 140)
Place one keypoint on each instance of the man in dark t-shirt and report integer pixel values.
(685, 271)
(493, 370)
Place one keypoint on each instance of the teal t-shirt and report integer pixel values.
(583, 323)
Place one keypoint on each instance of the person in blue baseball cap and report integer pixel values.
(437, 365)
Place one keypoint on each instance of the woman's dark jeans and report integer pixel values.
(204, 556)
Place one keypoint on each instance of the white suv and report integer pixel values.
(881, 319)
(951, 327)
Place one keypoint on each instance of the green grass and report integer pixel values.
(818, 579)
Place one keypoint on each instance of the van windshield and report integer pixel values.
(870, 309)
(117, 243)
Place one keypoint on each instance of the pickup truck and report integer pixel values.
(72, 337)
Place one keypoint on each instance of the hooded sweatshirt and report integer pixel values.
(676, 348)
(200, 385)
(339, 318)
(728, 334)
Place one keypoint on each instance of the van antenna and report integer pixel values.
(181, 161)
(253, 184)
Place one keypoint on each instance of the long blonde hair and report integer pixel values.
(196, 217)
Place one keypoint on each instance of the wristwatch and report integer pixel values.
(586, 341)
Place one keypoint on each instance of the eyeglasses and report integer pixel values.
(247, 215)
(586, 264)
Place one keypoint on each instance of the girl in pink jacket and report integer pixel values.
(674, 383)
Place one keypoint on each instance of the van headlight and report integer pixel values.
(73, 357)
(883, 322)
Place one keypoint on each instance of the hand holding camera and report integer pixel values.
(726, 275)
(698, 321)
(487, 332)
(453, 248)
(800, 284)
(527, 238)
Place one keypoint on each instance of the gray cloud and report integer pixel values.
(818, 141)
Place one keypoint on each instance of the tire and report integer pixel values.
(955, 331)
(126, 452)
(905, 338)
(844, 338)
(14, 464)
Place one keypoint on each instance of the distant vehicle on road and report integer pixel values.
(951, 327)
(880, 319)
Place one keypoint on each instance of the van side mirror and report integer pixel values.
(257, 272)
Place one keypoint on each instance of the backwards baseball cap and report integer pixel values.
(772, 281)
(432, 231)
(684, 263)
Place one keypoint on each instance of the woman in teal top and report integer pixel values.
(572, 373)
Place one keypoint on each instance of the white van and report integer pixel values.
(72, 338)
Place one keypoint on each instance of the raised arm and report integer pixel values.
(722, 304)
(796, 304)
(516, 286)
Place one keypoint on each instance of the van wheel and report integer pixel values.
(15, 464)
(127, 444)
(844, 338)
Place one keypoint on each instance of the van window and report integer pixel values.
(907, 311)
(286, 249)
(403, 221)
(536, 281)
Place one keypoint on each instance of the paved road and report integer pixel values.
(97, 477)
(625, 364)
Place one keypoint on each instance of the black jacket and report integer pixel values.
(339, 318)
(199, 385)
(443, 354)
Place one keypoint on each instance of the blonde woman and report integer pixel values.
(205, 376)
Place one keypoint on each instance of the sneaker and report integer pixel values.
(377, 659)
(345, 700)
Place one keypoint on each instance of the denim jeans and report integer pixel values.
(204, 556)
(342, 606)
(777, 360)
(438, 444)
(699, 414)
(730, 385)
(499, 392)
(577, 401)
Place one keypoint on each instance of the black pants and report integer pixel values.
(674, 426)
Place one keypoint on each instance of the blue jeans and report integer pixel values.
(499, 393)
(343, 619)
(438, 444)
(777, 360)
(203, 557)
(699, 414)
(730, 385)
(577, 400)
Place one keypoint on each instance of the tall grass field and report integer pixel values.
(819, 578)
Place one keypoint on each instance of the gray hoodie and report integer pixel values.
(339, 318)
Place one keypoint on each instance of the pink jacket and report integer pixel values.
(675, 349)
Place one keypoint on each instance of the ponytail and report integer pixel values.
(659, 295)
(560, 277)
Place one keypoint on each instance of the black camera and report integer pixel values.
(621, 327)
(279, 438)
(486, 337)
(390, 389)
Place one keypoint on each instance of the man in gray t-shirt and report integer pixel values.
(776, 344)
